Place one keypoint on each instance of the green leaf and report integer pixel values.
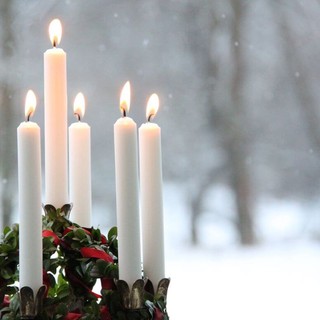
(52, 280)
(62, 309)
(63, 291)
(6, 273)
(96, 234)
(113, 233)
(6, 248)
(15, 303)
(6, 230)
(80, 233)
(47, 244)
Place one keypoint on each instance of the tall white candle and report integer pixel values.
(30, 209)
(55, 98)
(80, 166)
(151, 195)
(126, 172)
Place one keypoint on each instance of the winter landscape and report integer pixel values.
(238, 83)
(278, 279)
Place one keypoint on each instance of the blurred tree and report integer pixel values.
(8, 138)
(302, 76)
(226, 116)
(236, 129)
(208, 171)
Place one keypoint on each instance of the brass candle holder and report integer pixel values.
(142, 291)
(30, 306)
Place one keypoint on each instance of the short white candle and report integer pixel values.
(151, 195)
(126, 172)
(55, 99)
(80, 166)
(30, 207)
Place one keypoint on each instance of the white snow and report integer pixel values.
(263, 283)
(279, 279)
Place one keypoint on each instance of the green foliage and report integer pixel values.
(9, 259)
(74, 259)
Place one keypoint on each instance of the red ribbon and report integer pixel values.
(107, 284)
(5, 302)
(77, 281)
(96, 253)
(103, 239)
(104, 313)
(67, 230)
(49, 233)
(158, 315)
(72, 316)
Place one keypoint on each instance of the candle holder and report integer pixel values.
(142, 300)
(63, 212)
(131, 299)
(74, 259)
(162, 289)
(30, 307)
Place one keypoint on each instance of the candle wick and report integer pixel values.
(54, 42)
(151, 115)
(28, 117)
(124, 112)
(78, 116)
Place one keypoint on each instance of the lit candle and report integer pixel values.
(55, 98)
(30, 208)
(151, 195)
(126, 172)
(80, 166)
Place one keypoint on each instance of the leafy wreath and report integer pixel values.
(74, 259)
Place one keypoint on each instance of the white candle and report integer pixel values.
(151, 195)
(30, 208)
(126, 172)
(55, 98)
(80, 166)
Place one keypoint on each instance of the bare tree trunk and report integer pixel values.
(231, 122)
(7, 141)
(241, 184)
(198, 197)
(199, 42)
(196, 209)
(236, 141)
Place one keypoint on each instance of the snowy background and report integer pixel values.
(239, 111)
(277, 279)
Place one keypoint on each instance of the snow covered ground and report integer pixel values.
(276, 280)
(263, 283)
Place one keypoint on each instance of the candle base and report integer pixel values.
(31, 307)
(142, 300)
(131, 299)
(162, 289)
(63, 212)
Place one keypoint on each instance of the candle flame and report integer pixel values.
(79, 106)
(125, 99)
(55, 32)
(152, 106)
(30, 104)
